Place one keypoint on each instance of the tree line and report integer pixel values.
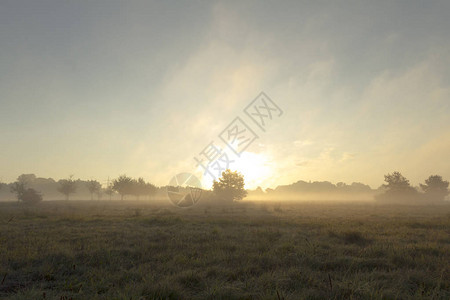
(398, 189)
(29, 189)
(230, 187)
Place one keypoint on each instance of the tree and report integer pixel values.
(142, 188)
(31, 196)
(435, 188)
(24, 194)
(19, 187)
(99, 194)
(28, 178)
(109, 190)
(139, 187)
(341, 185)
(94, 187)
(396, 182)
(149, 190)
(123, 185)
(67, 186)
(1, 185)
(230, 186)
(397, 188)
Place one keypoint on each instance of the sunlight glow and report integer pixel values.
(255, 167)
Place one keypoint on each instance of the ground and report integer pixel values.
(258, 250)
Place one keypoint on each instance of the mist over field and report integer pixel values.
(224, 149)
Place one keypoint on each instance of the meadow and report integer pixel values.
(249, 250)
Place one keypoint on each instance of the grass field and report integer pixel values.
(262, 250)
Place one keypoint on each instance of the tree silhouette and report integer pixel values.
(149, 190)
(435, 188)
(94, 187)
(31, 196)
(67, 186)
(19, 187)
(230, 186)
(109, 190)
(139, 187)
(27, 178)
(398, 188)
(99, 193)
(396, 182)
(123, 185)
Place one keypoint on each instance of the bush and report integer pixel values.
(31, 196)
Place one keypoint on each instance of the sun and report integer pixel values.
(256, 168)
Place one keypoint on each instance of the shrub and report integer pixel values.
(31, 196)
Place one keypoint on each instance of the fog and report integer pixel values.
(396, 190)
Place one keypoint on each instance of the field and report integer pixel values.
(250, 250)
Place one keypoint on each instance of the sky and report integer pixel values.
(103, 88)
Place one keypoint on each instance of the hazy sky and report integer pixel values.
(102, 88)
